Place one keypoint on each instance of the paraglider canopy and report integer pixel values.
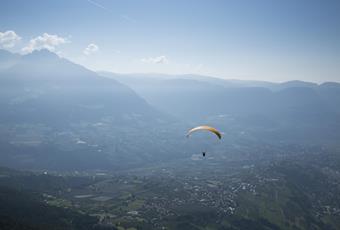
(206, 128)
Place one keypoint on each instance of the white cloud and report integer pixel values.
(155, 60)
(91, 49)
(46, 41)
(8, 39)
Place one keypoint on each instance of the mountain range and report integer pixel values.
(42, 87)
(55, 113)
(289, 109)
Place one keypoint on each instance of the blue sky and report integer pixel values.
(256, 39)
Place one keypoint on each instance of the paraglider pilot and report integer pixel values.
(207, 128)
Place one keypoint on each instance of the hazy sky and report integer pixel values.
(274, 40)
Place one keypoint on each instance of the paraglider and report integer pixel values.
(205, 128)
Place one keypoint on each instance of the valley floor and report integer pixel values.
(299, 191)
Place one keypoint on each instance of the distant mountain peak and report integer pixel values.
(331, 84)
(5, 52)
(41, 54)
(299, 83)
(8, 59)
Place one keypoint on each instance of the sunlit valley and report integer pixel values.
(87, 148)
